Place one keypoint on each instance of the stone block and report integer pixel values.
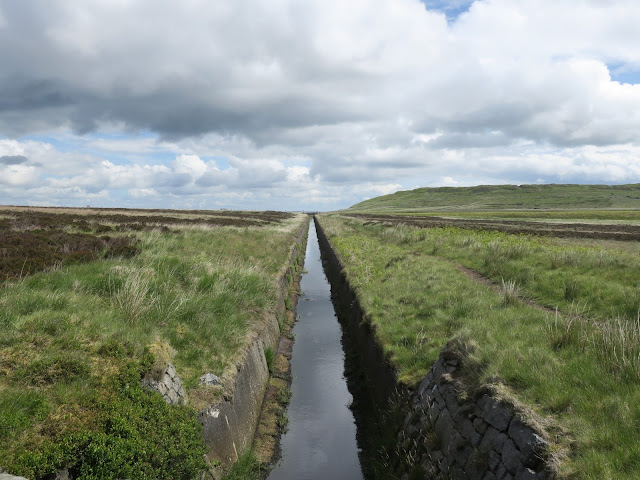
(162, 388)
(408, 420)
(451, 400)
(501, 472)
(499, 442)
(173, 396)
(476, 466)
(511, 456)
(438, 371)
(461, 455)
(496, 414)
(526, 474)
(489, 476)
(494, 460)
(466, 429)
(209, 379)
(432, 414)
(444, 428)
(488, 441)
(425, 384)
(62, 475)
(483, 401)
(443, 465)
(480, 425)
(530, 443)
(457, 473)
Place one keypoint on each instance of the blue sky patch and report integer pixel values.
(451, 8)
(624, 74)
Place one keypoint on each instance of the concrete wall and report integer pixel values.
(229, 426)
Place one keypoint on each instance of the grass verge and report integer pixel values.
(574, 368)
(76, 339)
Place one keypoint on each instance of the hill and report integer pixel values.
(506, 197)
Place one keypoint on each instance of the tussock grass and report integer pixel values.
(92, 329)
(577, 367)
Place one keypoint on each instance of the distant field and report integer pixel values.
(569, 215)
(93, 299)
(508, 197)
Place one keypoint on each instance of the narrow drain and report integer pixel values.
(321, 439)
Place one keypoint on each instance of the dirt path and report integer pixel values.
(478, 277)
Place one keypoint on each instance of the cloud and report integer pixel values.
(12, 159)
(322, 98)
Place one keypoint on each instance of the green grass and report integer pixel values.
(246, 468)
(506, 197)
(75, 340)
(578, 369)
(603, 215)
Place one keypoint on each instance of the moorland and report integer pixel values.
(93, 300)
(539, 284)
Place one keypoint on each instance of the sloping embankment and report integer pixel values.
(448, 432)
(229, 425)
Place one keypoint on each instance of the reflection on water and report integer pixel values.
(320, 443)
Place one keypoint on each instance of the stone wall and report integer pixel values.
(472, 439)
(169, 386)
(449, 433)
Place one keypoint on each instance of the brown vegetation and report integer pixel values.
(564, 230)
(33, 240)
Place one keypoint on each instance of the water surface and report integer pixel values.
(320, 443)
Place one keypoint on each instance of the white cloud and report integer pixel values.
(18, 175)
(190, 165)
(320, 101)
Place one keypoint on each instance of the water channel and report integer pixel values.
(321, 440)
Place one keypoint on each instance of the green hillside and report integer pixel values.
(509, 197)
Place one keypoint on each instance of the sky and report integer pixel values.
(314, 104)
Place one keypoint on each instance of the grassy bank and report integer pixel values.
(506, 197)
(76, 338)
(577, 368)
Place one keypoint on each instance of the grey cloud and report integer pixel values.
(296, 83)
(13, 160)
(471, 140)
(20, 94)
